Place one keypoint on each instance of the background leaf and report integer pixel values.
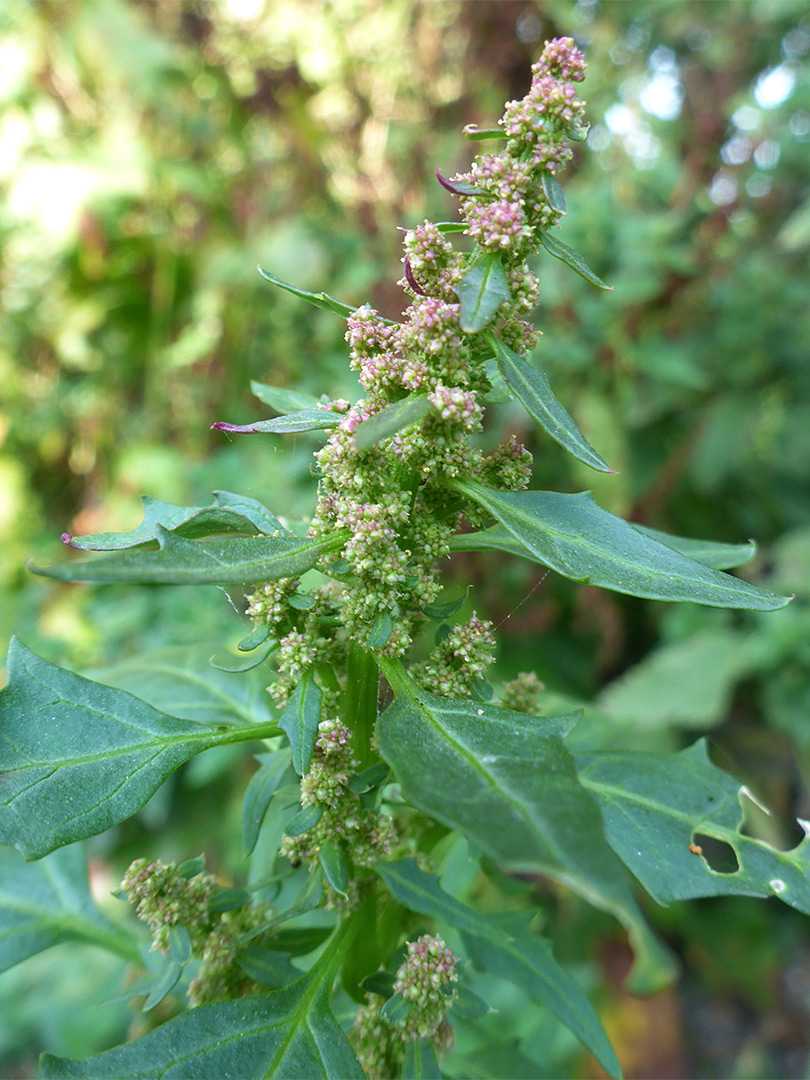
(571, 258)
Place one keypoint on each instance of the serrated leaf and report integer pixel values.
(77, 757)
(507, 782)
(301, 420)
(300, 720)
(555, 196)
(180, 681)
(420, 1062)
(334, 866)
(653, 805)
(219, 561)
(709, 552)
(268, 967)
(388, 421)
(285, 1033)
(229, 514)
(306, 819)
(281, 399)
(571, 258)
(580, 540)
(505, 948)
(532, 389)
(260, 790)
(320, 300)
(47, 902)
(481, 291)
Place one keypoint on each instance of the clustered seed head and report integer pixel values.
(522, 693)
(459, 659)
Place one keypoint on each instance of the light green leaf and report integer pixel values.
(260, 790)
(388, 421)
(219, 561)
(301, 420)
(507, 782)
(300, 720)
(420, 1062)
(47, 902)
(533, 391)
(224, 660)
(281, 399)
(571, 258)
(228, 514)
(481, 291)
(709, 552)
(320, 300)
(286, 1033)
(580, 540)
(654, 806)
(78, 757)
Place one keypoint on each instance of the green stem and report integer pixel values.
(359, 712)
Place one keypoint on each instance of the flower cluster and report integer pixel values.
(522, 694)
(459, 660)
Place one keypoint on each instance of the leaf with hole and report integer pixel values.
(580, 540)
(77, 757)
(481, 291)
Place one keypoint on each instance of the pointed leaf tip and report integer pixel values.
(457, 187)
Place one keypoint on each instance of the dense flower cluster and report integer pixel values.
(522, 693)
(459, 660)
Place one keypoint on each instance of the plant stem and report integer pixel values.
(359, 712)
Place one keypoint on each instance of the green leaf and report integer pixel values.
(301, 940)
(555, 196)
(532, 389)
(162, 982)
(654, 806)
(481, 291)
(300, 721)
(709, 552)
(224, 660)
(229, 514)
(260, 790)
(179, 680)
(78, 757)
(452, 226)
(369, 778)
(286, 1033)
(320, 300)
(467, 1005)
(227, 899)
(334, 866)
(571, 258)
(304, 820)
(476, 134)
(302, 420)
(268, 967)
(393, 418)
(255, 638)
(226, 561)
(580, 540)
(381, 630)
(281, 399)
(420, 1062)
(47, 902)
(505, 948)
(396, 1009)
(445, 611)
(507, 782)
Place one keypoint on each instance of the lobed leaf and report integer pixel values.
(229, 514)
(388, 421)
(77, 757)
(654, 806)
(219, 561)
(481, 291)
(532, 389)
(47, 902)
(571, 258)
(580, 540)
(301, 420)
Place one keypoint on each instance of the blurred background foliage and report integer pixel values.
(152, 152)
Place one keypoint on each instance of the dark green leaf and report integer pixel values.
(467, 1005)
(300, 721)
(226, 561)
(234, 665)
(481, 291)
(163, 982)
(709, 552)
(446, 611)
(393, 418)
(369, 778)
(78, 757)
(381, 630)
(286, 1033)
(422, 893)
(555, 196)
(507, 782)
(534, 393)
(320, 300)
(577, 538)
(267, 967)
(395, 1009)
(229, 514)
(458, 187)
(380, 983)
(571, 258)
(654, 805)
(420, 1062)
(255, 638)
(261, 789)
(304, 820)
(334, 866)
(301, 940)
(302, 420)
(227, 899)
(191, 867)
(48, 902)
(301, 602)
(281, 399)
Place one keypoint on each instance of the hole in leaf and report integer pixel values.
(717, 854)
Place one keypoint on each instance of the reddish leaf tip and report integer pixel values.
(66, 538)
(414, 284)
